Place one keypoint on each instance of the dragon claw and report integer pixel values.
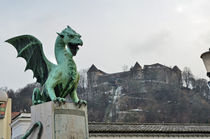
(36, 102)
(59, 100)
(81, 102)
(39, 101)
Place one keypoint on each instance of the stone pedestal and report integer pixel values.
(66, 121)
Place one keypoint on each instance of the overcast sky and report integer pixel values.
(114, 33)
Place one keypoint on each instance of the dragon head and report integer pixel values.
(71, 39)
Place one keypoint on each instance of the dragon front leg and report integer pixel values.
(52, 96)
(74, 96)
(50, 85)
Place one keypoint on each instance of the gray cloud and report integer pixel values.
(154, 42)
(161, 31)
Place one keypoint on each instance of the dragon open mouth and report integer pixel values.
(73, 48)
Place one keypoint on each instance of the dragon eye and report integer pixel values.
(71, 36)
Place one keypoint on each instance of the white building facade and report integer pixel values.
(20, 124)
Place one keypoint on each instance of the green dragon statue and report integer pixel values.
(59, 80)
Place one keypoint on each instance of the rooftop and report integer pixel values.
(150, 129)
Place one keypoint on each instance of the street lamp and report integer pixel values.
(206, 60)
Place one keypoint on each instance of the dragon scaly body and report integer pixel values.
(59, 80)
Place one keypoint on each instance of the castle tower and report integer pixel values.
(91, 76)
(137, 71)
(178, 75)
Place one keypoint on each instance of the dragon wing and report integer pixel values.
(30, 48)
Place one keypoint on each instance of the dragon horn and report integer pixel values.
(60, 35)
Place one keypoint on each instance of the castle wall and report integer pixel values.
(150, 73)
(156, 73)
(112, 78)
(93, 78)
(162, 74)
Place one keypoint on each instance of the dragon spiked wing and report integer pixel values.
(30, 48)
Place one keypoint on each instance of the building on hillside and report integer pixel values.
(127, 130)
(5, 116)
(150, 73)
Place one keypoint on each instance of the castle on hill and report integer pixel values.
(155, 73)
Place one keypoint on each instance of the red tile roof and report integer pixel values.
(15, 114)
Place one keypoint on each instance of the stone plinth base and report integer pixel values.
(66, 121)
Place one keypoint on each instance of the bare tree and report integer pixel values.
(187, 77)
(83, 78)
(125, 67)
(202, 88)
